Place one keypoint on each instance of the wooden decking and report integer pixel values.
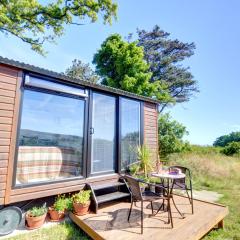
(111, 221)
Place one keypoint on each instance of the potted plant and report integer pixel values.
(81, 202)
(58, 209)
(144, 157)
(35, 217)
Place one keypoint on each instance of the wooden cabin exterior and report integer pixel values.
(35, 162)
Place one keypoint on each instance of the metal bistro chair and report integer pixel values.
(145, 196)
(184, 184)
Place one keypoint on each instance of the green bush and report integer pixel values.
(170, 135)
(231, 149)
(225, 139)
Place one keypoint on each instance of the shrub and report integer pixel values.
(225, 139)
(231, 149)
(170, 134)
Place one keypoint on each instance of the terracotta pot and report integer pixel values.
(56, 215)
(35, 222)
(81, 209)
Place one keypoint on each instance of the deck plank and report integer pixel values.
(111, 221)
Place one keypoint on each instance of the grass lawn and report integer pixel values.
(63, 231)
(211, 171)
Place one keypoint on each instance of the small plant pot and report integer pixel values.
(55, 215)
(81, 209)
(35, 222)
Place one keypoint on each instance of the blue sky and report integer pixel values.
(212, 25)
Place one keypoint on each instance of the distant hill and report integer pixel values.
(37, 138)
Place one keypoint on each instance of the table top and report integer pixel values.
(166, 174)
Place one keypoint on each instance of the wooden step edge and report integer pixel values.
(112, 196)
(107, 185)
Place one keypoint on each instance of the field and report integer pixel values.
(211, 171)
(215, 172)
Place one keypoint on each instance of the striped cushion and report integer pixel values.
(45, 163)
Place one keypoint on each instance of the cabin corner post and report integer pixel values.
(151, 129)
(13, 137)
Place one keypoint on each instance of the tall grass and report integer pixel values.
(216, 172)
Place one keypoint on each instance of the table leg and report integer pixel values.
(171, 196)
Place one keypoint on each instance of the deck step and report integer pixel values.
(111, 196)
(108, 191)
(107, 185)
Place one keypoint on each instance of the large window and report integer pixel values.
(50, 137)
(130, 131)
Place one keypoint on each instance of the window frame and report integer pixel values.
(85, 121)
(141, 119)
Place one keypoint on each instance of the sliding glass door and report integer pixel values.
(103, 136)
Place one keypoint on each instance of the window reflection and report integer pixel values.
(50, 138)
(103, 138)
(130, 131)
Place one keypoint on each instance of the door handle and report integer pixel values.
(91, 130)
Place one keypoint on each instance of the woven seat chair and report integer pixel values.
(184, 184)
(145, 196)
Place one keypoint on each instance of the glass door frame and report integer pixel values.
(89, 140)
(119, 158)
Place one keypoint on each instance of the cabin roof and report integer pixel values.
(65, 78)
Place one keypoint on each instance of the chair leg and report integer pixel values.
(152, 207)
(141, 217)
(190, 198)
(130, 210)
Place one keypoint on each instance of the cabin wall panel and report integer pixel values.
(150, 129)
(4, 141)
(8, 87)
(3, 178)
(6, 120)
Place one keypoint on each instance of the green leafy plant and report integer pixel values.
(37, 211)
(69, 204)
(82, 197)
(61, 203)
(231, 149)
(170, 136)
(134, 169)
(146, 164)
(36, 22)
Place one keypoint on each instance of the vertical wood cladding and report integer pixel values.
(151, 128)
(8, 85)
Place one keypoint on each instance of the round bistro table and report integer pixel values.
(170, 178)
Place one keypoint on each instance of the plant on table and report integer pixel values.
(81, 202)
(35, 217)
